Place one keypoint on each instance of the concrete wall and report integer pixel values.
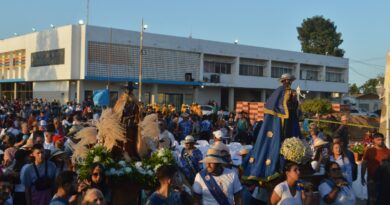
(52, 90)
(67, 37)
(209, 93)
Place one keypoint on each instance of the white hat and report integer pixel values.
(218, 134)
(189, 139)
(43, 123)
(213, 156)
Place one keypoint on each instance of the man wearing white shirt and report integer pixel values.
(49, 144)
(216, 184)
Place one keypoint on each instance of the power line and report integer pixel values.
(369, 64)
(362, 75)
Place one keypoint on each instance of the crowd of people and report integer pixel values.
(36, 166)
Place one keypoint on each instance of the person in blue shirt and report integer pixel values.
(67, 186)
(185, 127)
(189, 159)
(165, 195)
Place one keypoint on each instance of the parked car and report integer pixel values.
(357, 112)
(206, 109)
(373, 114)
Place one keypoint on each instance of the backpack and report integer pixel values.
(44, 182)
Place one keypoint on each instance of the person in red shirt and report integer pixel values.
(372, 159)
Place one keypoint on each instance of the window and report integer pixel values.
(277, 71)
(334, 77)
(309, 75)
(251, 70)
(45, 58)
(216, 67)
(24, 90)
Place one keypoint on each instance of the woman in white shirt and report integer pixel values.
(287, 192)
(343, 161)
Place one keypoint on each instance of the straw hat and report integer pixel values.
(29, 144)
(318, 142)
(189, 139)
(213, 156)
(287, 76)
(221, 147)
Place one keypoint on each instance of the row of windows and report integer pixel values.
(251, 70)
(309, 75)
(334, 77)
(216, 67)
(276, 72)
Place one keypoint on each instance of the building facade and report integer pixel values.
(68, 63)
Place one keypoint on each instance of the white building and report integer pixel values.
(69, 62)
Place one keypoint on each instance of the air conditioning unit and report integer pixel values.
(214, 79)
(188, 77)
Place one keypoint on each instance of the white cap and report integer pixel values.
(218, 134)
(42, 123)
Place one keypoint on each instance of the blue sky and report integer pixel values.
(365, 25)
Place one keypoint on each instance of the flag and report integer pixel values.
(101, 97)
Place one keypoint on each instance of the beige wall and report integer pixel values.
(52, 90)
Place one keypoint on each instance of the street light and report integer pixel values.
(383, 92)
(141, 39)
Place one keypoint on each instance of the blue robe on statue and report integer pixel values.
(280, 121)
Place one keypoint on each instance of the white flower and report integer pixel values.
(165, 159)
(138, 164)
(160, 153)
(150, 172)
(122, 163)
(156, 167)
(96, 159)
(128, 170)
(148, 167)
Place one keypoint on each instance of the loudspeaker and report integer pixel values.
(188, 77)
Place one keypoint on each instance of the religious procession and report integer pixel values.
(142, 154)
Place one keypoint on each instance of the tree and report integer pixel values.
(370, 85)
(320, 106)
(353, 89)
(318, 35)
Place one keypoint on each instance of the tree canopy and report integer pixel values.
(318, 35)
(370, 85)
(353, 89)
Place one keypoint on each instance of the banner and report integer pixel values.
(101, 97)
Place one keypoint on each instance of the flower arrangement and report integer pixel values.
(357, 147)
(294, 149)
(142, 172)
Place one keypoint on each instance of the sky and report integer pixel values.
(365, 25)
